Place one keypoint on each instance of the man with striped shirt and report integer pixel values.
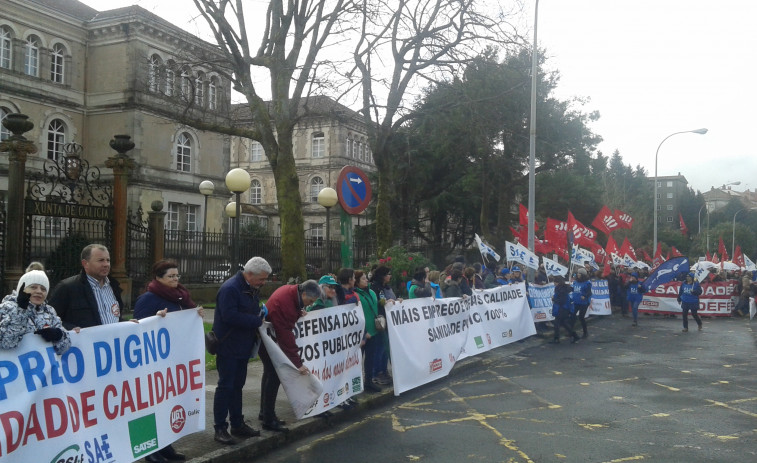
(89, 298)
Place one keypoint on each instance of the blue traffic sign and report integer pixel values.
(353, 190)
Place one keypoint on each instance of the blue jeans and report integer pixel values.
(227, 401)
(635, 309)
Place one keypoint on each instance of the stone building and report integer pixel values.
(83, 75)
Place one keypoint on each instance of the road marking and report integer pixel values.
(670, 388)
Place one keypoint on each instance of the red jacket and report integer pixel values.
(284, 308)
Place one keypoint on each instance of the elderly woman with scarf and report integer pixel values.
(164, 294)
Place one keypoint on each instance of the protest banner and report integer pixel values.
(600, 298)
(439, 332)
(540, 300)
(329, 342)
(119, 393)
(717, 299)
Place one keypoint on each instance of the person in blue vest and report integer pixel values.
(563, 310)
(581, 297)
(503, 279)
(516, 276)
(688, 297)
(634, 294)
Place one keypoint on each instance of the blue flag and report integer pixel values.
(666, 272)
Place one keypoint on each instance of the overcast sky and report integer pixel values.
(650, 67)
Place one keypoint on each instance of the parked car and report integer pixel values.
(219, 273)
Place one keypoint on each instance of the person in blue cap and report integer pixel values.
(634, 294)
(581, 297)
(515, 275)
(503, 279)
(688, 297)
(328, 298)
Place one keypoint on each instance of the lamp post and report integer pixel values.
(733, 235)
(206, 188)
(237, 181)
(327, 198)
(532, 140)
(654, 214)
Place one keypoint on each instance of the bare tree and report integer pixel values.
(289, 43)
(407, 43)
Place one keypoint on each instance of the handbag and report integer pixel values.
(380, 322)
(212, 342)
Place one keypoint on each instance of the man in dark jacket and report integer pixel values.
(235, 323)
(89, 298)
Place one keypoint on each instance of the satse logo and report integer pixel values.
(143, 433)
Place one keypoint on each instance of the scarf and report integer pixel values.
(178, 295)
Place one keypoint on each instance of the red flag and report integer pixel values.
(627, 249)
(523, 217)
(738, 257)
(684, 230)
(624, 220)
(668, 256)
(646, 256)
(606, 271)
(722, 251)
(658, 259)
(709, 257)
(521, 234)
(556, 233)
(611, 247)
(675, 252)
(581, 234)
(605, 221)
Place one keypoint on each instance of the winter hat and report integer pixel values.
(327, 280)
(690, 274)
(515, 269)
(34, 277)
(582, 271)
(505, 271)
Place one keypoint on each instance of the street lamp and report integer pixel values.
(327, 198)
(206, 188)
(654, 214)
(532, 140)
(237, 181)
(733, 236)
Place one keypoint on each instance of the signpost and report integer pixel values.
(354, 192)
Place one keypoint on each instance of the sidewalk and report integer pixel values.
(200, 447)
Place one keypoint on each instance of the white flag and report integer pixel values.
(749, 264)
(521, 254)
(485, 250)
(554, 268)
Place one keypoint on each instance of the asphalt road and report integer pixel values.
(650, 393)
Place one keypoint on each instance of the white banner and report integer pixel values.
(600, 298)
(540, 300)
(554, 268)
(329, 342)
(717, 299)
(429, 335)
(121, 392)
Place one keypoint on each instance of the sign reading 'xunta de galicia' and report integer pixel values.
(74, 211)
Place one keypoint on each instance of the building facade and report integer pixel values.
(83, 75)
(670, 193)
(328, 137)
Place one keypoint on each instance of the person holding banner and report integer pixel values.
(688, 297)
(236, 320)
(26, 312)
(419, 286)
(369, 302)
(516, 275)
(456, 283)
(634, 294)
(380, 284)
(563, 310)
(346, 294)
(285, 306)
(581, 297)
(328, 297)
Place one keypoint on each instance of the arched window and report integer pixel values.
(212, 94)
(31, 56)
(153, 73)
(257, 152)
(4, 133)
(319, 145)
(56, 138)
(316, 185)
(186, 85)
(6, 52)
(184, 152)
(199, 87)
(256, 192)
(170, 82)
(57, 55)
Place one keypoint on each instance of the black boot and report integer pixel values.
(170, 453)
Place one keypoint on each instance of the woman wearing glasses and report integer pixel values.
(164, 294)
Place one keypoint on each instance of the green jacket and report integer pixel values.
(369, 301)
